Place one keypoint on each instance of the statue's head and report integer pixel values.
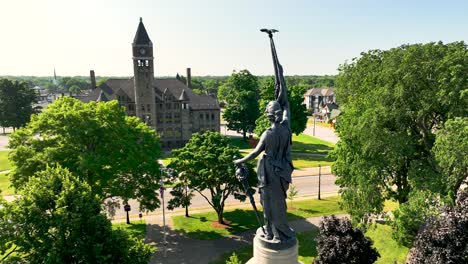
(273, 111)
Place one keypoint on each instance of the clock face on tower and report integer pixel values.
(142, 51)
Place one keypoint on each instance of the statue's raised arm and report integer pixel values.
(281, 91)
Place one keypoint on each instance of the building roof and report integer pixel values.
(167, 87)
(102, 97)
(176, 87)
(320, 91)
(141, 36)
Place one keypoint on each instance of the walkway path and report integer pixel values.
(184, 250)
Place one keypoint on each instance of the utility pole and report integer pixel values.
(161, 192)
(320, 175)
(314, 124)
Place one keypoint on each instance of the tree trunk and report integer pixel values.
(244, 134)
(220, 217)
(186, 211)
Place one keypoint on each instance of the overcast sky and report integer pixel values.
(214, 37)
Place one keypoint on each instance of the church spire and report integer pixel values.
(141, 36)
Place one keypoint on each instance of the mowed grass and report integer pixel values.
(5, 184)
(4, 162)
(135, 229)
(203, 226)
(308, 144)
(301, 161)
(389, 250)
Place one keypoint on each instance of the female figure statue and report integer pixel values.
(275, 167)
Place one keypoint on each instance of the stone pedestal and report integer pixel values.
(269, 252)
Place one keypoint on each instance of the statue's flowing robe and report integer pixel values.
(274, 171)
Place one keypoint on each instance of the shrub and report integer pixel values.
(339, 242)
(409, 217)
(233, 259)
(444, 239)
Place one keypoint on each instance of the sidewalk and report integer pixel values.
(181, 249)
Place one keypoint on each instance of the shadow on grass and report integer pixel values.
(303, 147)
(135, 229)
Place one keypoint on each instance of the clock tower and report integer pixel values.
(143, 69)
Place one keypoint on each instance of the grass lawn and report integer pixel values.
(390, 205)
(4, 162)
(301, 161)
(240, 143)
(389, 250)
(136, 228)
(5, 184)
(203, 226)
(308, 144)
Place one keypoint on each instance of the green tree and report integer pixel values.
(267, 94)
(411, 215)
(207, 163)
(296, 103)
(240, 92)
(181, 193)
(74, 89)
(393, 103)
(114, 153)
(58, 219)
(450, 150)
(16, 100)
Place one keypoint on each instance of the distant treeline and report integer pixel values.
(200, 84)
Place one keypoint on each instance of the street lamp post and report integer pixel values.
(161, 192)
(314, 124)
(127, 209)
(320, 175)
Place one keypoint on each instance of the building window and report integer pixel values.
(176, 117)
(207, 116)
(168, 117)
(212, 116)
(131, 107)
(142, 107)
(147, 63)
(148, 107)
(168, 106)
(159, 119)
(201, 116)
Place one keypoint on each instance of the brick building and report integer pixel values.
(167, 105)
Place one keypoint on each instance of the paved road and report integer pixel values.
(306, 186)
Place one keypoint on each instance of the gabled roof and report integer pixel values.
(141, 36)
(183, 96)
(320, 91)
(176, 87)
(102, 97)
(170, 88)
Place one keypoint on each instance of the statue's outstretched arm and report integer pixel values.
(252, 155)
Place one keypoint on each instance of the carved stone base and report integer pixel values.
(274, 253)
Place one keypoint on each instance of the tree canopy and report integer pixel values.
(394, 101)
(58, 219)
(296, 102)
(240, 92)
(206, 162)
(16, 99)
(114, 153)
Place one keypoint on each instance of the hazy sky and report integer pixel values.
(214, 37)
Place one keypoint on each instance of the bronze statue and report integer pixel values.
(274, 167)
